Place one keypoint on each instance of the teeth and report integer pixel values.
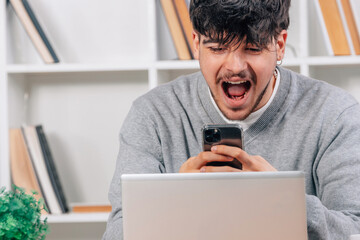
(239, 82)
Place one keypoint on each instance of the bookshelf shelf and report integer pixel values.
(332, 61)
(78, 218)
(322, 61)
(120, 54)
(176, 64)
(68, 68)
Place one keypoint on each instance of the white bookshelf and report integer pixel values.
(111, 53)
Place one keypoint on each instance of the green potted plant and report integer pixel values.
(20, 215)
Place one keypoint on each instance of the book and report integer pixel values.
(349, 9)
(182, 12)
(51, 168)
(34, 148)
(86, 208)
(22, 171)
(34, 30)
(175, 30)
(355, 7)
(344, 20)
(333, 28)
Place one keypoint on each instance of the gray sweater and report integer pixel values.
(310, 126)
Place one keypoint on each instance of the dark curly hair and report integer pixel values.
(257, 22)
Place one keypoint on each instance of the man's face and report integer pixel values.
(240, 77)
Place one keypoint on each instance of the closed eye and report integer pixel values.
(254, 49)
(217, 49)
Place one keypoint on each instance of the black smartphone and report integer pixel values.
(223, 134)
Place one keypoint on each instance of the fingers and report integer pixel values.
(194, 164)
(233, 152)
(225, 154)
(249, 162)
(219, 169)
(206, 157)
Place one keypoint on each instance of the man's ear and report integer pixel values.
(196, 44)
(280, 44)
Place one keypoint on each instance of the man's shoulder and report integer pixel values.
(182, 88)
(319, 93)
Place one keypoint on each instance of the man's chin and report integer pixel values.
(236, 110)
(236, 115)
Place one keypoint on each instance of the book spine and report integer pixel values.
(40, 30)
(349, 12)
(334, 26)
(40, 167)
(355, 7)
(22, 171)
(182, 13)
(175, 30)
(345, 22)
(323, 28)
(29, 22)
(51, 168)
(31, 156)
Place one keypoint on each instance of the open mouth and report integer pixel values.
(236, 90)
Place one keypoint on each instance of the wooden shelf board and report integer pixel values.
(333, 60)
(176, 64)
(76, 217)
(63, 68)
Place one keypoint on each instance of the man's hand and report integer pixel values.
(197, 163)
(226, 154)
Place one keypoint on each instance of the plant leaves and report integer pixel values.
(20, 215)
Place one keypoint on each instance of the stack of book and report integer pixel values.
(178, 19)
(340, 22)
(33, 167)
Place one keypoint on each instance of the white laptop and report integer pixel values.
(214, 206)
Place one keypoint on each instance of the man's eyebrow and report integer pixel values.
(209, 40)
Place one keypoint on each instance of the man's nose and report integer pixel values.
(235, 61)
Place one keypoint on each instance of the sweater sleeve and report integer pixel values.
(335, 212)
(139, 152)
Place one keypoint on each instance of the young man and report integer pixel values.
(291, 122)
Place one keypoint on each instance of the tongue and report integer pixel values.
(236, 90)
